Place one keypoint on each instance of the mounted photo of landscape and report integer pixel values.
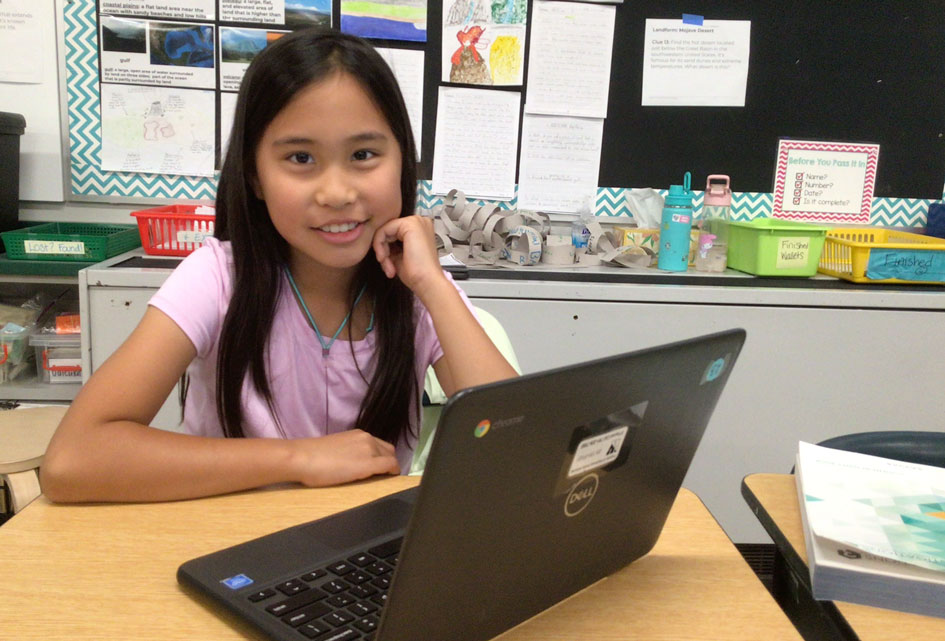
(238, 48)
(124, 35)
(300, 14)
(181, 44)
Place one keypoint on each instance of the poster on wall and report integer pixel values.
(158, 130)
(20, 30)
(167, 80)
(484, 42)
(385, 19)
(695, 63)
(569, 59)
(157, 52)
(825, 182)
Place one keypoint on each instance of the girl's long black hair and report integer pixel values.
(290, 64)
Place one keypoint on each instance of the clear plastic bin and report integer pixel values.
(16, 361)
(58, 357)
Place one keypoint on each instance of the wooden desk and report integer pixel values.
(773, 499)
(108, 572)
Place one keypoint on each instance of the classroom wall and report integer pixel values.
(87, 183)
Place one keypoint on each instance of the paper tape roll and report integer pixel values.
(444, 245)
(558, 250)
(523, 246)
(23, 487)
(454, 231)
(455, 199)
(596, 234)
(589, 260)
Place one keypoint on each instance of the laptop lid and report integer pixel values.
(537, 487)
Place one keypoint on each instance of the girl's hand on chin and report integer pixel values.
(406, 248)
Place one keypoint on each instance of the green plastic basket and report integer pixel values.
(774, 247)
(70, 241)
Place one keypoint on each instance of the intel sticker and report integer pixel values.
(597, 451)
(237, 582)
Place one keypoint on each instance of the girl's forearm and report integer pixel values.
(125, 461)
(472, 358)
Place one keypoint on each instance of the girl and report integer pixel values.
(306, 325)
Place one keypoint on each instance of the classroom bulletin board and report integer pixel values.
(856, 72)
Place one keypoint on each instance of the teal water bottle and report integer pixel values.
(675, 227)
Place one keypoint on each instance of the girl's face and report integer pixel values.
(328, 168)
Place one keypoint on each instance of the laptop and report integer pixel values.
(535, 488)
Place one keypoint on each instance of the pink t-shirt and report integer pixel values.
(313, 395)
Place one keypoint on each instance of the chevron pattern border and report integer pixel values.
(85, 136)
(746, 206)
(85, 142)
(426, 199)
(96, 182)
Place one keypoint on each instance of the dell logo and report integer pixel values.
(581, 495)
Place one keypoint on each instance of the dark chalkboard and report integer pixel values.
(857, 71)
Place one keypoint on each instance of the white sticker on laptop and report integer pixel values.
(597, 451)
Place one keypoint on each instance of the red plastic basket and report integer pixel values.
(173, 230)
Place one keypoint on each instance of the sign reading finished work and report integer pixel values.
(825, 182)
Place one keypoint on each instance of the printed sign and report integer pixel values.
(65, 370)
(825, 181)
(597, 451)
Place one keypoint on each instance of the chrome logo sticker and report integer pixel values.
(482, 429)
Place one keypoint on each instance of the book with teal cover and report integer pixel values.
(874, 529)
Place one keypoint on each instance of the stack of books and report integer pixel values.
(874, 529)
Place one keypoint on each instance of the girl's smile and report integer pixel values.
(341, 233)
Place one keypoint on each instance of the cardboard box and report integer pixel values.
(649, 239)
(636, 237)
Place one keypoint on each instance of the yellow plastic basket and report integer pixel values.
(847, 255)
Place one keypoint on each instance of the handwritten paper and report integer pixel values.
(157, 130)
(569, 59)
(686, 65)
(560, 163)
(407, 65)
(476, 142)
(227, 113)
(906, 264)
(792, 252)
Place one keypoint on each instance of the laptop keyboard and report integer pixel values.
(338, 602)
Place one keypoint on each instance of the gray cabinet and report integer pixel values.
(817, 362)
